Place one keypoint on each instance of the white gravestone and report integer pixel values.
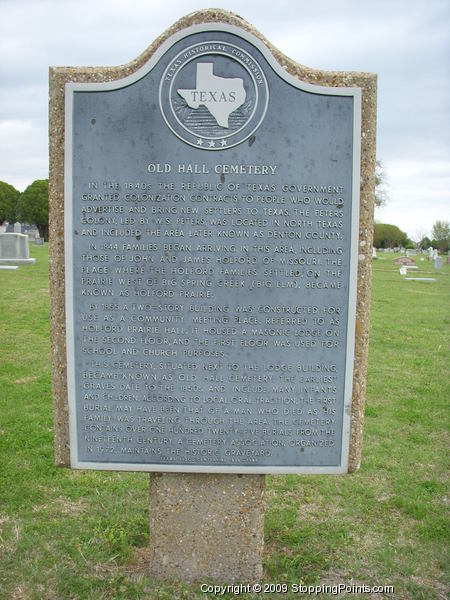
(32, 234)
(14, 249)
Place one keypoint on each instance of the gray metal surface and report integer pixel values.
(211, 294)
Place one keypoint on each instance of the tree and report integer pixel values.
(9, 197)
(424, 243)
(440, 235)
(33, 206)
(388, 236)
(381, 194)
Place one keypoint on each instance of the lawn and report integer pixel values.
(83, 534)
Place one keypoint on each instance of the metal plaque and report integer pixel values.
(211, 210)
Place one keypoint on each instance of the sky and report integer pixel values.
(406, 42)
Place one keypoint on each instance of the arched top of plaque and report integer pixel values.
(213, 20)
(213, 89)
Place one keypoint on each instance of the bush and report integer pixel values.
(9, 197)
(441, 236)
(424, 243)
(33, 206)
(388, 236)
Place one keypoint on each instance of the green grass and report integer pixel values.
(75, 534)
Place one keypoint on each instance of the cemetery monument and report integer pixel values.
(14, 249)
(211, 217)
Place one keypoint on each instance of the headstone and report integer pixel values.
(374, 252)
(2, 228)
(39, 241)
(188, 246)
(14, 249)
(438, 262)
(32, 234)
(17, 227)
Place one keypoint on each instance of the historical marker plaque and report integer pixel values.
(211, 225)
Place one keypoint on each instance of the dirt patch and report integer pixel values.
(21, 593)
(26, 379)
(71, 507)
(63, 506)
(139, 564)
(10, 535)
(3, 519)
(442, 590)
(136, 567)
(405, 261)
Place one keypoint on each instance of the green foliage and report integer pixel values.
(9, 197)
(33, 206)
(424, 243)
(441, 236)
(388, 236)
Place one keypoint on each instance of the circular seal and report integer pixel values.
(213, 95)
